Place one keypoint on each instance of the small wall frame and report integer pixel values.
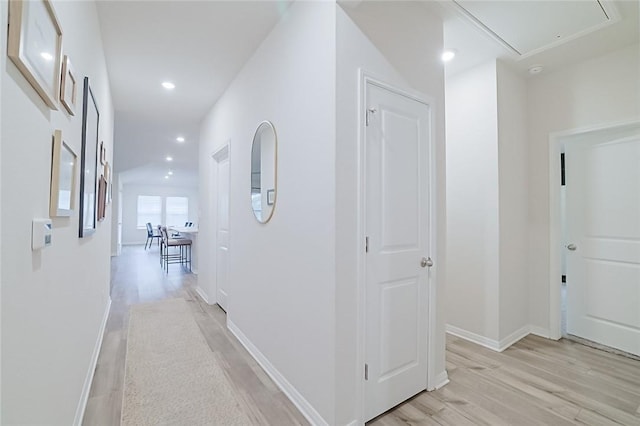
(68, 87)
(63, 178)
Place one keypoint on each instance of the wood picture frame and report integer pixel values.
(107, 177)
(89, 162)
(34, 45)
(63, 178)
(68, 86)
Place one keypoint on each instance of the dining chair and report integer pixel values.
(183, 256)
(151, 235)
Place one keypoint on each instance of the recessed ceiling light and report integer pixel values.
(166, 177)
(47, 56)
(180, 139)
(168, 85)
(170, 173)
(448, 55)
(169, 158)
(535, 69)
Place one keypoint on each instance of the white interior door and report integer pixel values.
(222, 227)
(397, 229)
(603, 241)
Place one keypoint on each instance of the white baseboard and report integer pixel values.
(203, 295)
(440, 380)
(84, 396)
(514, 337)
(492, 344)
(539, 331)
(289, 390)
(473, 337)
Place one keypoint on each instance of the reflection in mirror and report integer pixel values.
(263, 171)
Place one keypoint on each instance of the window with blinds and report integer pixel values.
(149, 210)
(177, 210)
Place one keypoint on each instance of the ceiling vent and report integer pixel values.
(530, 27)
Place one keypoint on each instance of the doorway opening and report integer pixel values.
(595, 237)
(397, 226)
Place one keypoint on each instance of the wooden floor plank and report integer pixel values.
(535, 382)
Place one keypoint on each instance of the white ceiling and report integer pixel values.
(532, 28)
(199, 46)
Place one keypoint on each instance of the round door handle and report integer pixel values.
(426, 262)
(572, 247)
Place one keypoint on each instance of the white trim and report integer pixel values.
(287, 388)
(440, 380)
(203, 295)
(514, 337)
(84, 396)
(473, 337)
(221, 153)
(556, 142)
(539, 331)
(492, 344)
(432, 380)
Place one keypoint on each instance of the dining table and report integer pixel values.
(190, 232)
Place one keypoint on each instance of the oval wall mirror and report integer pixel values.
(263, 171)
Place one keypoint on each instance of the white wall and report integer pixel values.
(472, 201)
(281, 274)
(304, 78)
(600, 91)
(487, 204)
(399, 43)
(513, 199)
(53, 301)
(131, 234)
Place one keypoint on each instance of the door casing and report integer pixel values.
(365, 79)
(556, 143)
(220, 154)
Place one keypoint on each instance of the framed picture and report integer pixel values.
(102, 198)
(103, 153)
(63, 178)
(88, 162)
(107, 177)
(34, 44)
(68, 87)
(271, 196)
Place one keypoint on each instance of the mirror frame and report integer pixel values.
(260, 127)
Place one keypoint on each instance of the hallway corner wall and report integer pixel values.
(282, 273)
(54, 301)
(381, 39)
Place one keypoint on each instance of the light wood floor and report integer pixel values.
(535, 382)
(137, 277)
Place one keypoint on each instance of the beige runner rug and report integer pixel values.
(171, 376)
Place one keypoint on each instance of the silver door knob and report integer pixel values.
(426, 262)
(572, 247)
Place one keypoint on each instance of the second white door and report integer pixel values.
(603, 241)
(397, 260)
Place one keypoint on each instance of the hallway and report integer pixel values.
(136, 277)
(536, 381)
